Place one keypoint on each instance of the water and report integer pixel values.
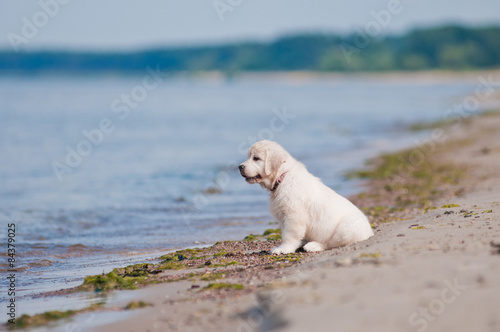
(164, 177)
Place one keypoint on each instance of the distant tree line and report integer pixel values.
(449, 47)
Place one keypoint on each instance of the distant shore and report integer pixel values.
(291, 75)
(454, 47)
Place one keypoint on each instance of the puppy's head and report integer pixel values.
(265, 159)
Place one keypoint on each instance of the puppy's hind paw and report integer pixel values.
(313, 247)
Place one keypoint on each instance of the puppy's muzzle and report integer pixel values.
(248, 179)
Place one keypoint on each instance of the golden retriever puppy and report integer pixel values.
(309, 213)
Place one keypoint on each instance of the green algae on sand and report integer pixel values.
(220, 255)
(408, 180)
(31, 321)
(223, 286)
(119, 278)
(137, 305)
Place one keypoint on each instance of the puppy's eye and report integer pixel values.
(256, 158)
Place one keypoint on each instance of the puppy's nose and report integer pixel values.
(241, 167)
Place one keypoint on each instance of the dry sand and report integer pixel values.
(436, 271)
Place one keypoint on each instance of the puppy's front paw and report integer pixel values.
(313, 247)
(281, 250)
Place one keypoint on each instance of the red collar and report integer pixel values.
(279, 181)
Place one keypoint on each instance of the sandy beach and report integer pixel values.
(434, 269)
(433, 264)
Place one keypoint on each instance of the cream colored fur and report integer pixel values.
(309, 213)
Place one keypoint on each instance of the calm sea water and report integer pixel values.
(160, 173)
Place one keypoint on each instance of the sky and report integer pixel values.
(104, 25)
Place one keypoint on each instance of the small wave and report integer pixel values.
(77, 248)
(40, 263)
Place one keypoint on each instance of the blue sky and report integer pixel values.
(133, 24)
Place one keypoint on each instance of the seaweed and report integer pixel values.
(137, 305)
(271, 231)
(223, 286)
(30, 321)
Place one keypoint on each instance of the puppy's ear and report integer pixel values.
(273, 161)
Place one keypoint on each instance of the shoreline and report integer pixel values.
(293, 76)
(406, 232)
